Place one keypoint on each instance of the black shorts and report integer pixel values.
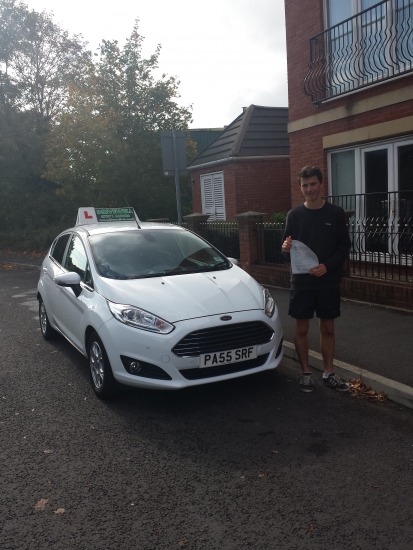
(324, 302)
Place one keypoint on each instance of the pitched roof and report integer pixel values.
(256, 132)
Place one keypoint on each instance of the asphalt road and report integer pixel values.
(247, 464)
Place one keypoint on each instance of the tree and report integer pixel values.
(38, 60)
(106, 145)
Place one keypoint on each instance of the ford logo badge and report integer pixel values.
(226, 318)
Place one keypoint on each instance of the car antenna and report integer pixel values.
(136, 217)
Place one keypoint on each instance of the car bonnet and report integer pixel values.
(188, 296)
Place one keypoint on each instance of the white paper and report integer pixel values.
(302, 258)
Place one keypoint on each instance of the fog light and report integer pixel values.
(135, 367)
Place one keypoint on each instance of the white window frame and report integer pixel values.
(390, 15)
(392, 146)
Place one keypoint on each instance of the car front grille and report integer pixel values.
(210, 372)
(210, 340)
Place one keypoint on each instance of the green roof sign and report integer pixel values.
(115, 214)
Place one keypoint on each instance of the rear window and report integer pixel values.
(59, 248)
(153, 253)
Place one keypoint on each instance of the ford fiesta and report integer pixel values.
(154, 305)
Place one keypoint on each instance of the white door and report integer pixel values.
(213, 195)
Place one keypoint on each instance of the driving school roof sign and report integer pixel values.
(88, 214)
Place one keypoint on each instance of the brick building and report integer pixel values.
(350, 79)
(350, 86)
(246, 168)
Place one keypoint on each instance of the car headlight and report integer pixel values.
(139, 318)
(269, 304)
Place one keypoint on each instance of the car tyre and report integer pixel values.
(48, 332)
(101, 376)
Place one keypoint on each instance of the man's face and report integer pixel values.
(312, 189)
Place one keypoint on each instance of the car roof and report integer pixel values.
(111, 227)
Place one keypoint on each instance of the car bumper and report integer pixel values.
(156, 350)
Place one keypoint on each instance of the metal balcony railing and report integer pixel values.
(373, 46)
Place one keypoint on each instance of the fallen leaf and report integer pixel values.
(261, 475)
(242, 477)
(358, 389)
(48, 451)
(310, 528)
(181, 543)
(59, 511)
(275, 452)
(41, 505)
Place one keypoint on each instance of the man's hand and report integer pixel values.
(318, 270)
(287, 244)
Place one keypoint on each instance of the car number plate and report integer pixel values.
(226, 357)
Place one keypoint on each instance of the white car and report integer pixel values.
(155, 306)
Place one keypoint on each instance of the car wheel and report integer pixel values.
(101, 376)
(48, 332)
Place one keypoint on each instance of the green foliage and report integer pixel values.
(106, 146)
(279, 217)
(77, 131)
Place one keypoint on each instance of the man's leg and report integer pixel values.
(301, 347)
(327, 343)
(301, 342)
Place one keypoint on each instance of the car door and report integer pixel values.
(72, 309)
(52, 267)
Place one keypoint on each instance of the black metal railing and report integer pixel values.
(381, 233)
(224, 236)
(372, 46)
(269, 241)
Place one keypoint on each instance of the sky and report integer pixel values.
(227, 54)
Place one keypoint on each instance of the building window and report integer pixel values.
(375, 181)
(213, 195)
(364, 42)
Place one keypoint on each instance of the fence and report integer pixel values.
(224, 236)
(381, 245)
(269, 241)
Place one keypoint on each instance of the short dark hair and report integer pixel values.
(309, 172)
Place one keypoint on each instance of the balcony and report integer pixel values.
(373, 46)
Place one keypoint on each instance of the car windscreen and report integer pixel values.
(153, 253)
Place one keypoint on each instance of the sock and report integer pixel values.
(327, 375)
(307, 373)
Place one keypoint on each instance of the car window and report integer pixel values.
(60, 247)
(153, 253)
(76, 259)
(88, 277)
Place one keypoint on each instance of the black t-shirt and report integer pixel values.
(324, 230)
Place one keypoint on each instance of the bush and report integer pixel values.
(32, 241)
(279, 217)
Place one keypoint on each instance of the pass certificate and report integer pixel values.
(302, 258)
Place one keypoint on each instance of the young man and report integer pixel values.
(322, 227)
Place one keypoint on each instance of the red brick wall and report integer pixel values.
(261, 185)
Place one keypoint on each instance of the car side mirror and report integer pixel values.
(233, 261)
(71, 280)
